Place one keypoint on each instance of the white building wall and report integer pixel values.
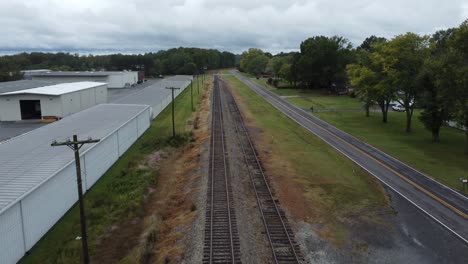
(10, 106)
(127, 135)
(87, 98)
(50, 105)
(9, 109)
(48, 203)
(11, 235)
(122, 79)
(99, 159)
(70, 103)
(101, 94)
(42, 208)
(142, 124)
(115, 81)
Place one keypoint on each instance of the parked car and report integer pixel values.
(398, 108)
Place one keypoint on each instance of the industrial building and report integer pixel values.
(38, 182)
(114, 79)
(27, 73)
(55, 101)
(156, 95)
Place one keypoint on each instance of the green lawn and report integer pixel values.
(313, 98)
(333, 183)
(444, 161)
(118, 195)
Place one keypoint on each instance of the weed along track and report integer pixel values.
(221, 244)
(277, 229)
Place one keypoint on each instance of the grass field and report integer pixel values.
(118, 196)
(313, 98)
(444, 161)
(333, 185)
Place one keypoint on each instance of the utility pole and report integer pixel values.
(191, 94)
(173, 121)
(76, 145)
(198, 89)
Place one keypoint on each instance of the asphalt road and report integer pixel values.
(447, 207)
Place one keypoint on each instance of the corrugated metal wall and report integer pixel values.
(11, 235)
(23, 224)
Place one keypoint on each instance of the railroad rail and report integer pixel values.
(221, 244)
(278, 231)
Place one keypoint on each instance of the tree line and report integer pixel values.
(429, 72)
(173, 61)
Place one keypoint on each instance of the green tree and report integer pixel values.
(365, 79)
(254, 61)
(436, 79)
(460, 60)
(323, 60)
(364, 74)
(285, 72)
(403, 58)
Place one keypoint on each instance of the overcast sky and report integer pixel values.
(234, 25)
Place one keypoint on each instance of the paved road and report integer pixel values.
(444, 205)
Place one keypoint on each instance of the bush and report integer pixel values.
(270, 81)
(276, 82)
(352, 94)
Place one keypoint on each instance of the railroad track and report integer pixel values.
(278, 230)
(221, 244)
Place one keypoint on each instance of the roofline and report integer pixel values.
(21, 197)
(67, 75)
(19, 92)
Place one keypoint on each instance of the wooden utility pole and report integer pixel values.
(198, 85)
(191, 94)
(75, 145)
(173, 121)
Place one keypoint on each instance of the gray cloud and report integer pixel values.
(145, 25)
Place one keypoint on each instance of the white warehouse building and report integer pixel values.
(38, 182)
(114, 79)
(55, 101)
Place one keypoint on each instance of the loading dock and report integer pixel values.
(30, 109)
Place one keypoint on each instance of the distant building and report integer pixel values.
(114, 79)
(27, 73)
(51, 101)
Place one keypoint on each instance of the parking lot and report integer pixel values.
(13, 129)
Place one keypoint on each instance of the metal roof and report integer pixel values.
(180, 78)
(76, 73)
(58, 89)
(28, 160)
(152, 95)
(6, 87)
